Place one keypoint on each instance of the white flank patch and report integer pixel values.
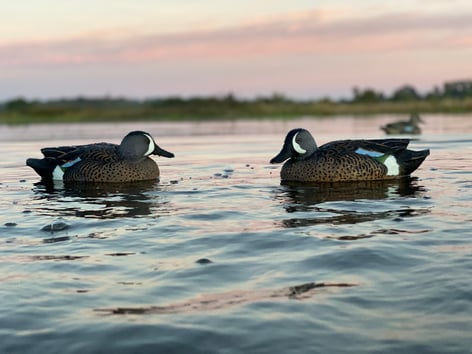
(297, 146)
(58, 172)
(151, 146)
(392, 166)
(362, 151)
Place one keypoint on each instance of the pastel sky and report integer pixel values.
(301, 48)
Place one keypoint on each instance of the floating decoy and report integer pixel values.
(101, 162)
(345, 160)
(410, 126)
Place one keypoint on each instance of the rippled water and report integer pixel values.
(219, 257)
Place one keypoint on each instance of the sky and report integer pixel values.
(299, 48)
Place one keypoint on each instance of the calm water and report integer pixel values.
(220, 258)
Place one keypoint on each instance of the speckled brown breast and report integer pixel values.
(334, 167)
(112, 171)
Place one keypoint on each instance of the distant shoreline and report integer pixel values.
(116, 110)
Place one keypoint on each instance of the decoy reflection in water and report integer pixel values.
(345, 160)
(304, 195)
(101, 162)
(302, 199)
(410, 126)
(102, 200)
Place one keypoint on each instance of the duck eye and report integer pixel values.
(297, 146)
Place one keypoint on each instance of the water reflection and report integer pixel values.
(305, 195)
(104, 201)
(347, 203)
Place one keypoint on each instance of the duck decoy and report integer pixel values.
(101, 162)
(345, 160)
(410, 126)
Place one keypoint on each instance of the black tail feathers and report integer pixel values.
(410, 160)
(43, 167)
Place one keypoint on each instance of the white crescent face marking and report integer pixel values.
(151, 146)
(297, 146)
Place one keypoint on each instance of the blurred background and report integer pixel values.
(121, 60)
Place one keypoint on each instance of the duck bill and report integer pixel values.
(283, 155)
(161, 152)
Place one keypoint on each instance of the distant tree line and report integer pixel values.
(452, 97)
(454, 90)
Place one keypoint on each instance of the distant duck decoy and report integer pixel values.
(410, 126)
(345, 160)
(101, 162)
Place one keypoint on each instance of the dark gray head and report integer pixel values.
(299, 144)
(139, 144)
(415, 118)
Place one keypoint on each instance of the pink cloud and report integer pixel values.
(306, 33)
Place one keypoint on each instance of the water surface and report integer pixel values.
(220, 257)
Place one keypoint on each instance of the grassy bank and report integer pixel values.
(112, 110)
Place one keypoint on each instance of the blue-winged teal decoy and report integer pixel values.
(101, 162)
(410, 126)
(345, 160)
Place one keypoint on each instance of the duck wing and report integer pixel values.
(68, 156)
(367, 147)
(95, 152)
(405, 161)
(55, 152)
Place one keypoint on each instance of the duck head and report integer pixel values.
(139, 144)
(415, 118)
(299, 144)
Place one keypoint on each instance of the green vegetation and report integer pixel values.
(455, 97)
